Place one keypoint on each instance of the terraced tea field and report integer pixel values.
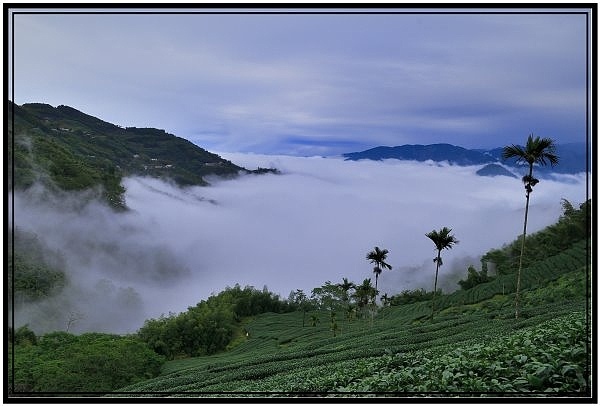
(473, 346)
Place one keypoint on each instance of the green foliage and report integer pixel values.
(337, 297)
(34, 272)
(281, 357)
(572, 226)
(262, 171)
(474, 278)
(551, 357)
(400, 349)
(68, 150)
(412, 296)
(210, 326)
(574, 259)
(329, 296)
(569, 286)
(250, 301)
(298, 299)
(378, 257)
(33, 280)
(22, 336)
(93, 362)
(442, 240)
(42, 155)
(537, 150)
(364, 293)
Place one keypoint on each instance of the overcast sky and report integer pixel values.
(313, 84)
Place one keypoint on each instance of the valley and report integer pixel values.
(116, 221)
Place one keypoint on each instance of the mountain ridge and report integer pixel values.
(572, 157)
(66, 149)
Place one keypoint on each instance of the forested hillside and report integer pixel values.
(65, 149)
(34, 271)
(54, 150)
(573, 226)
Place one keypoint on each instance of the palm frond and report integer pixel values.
(537, 150)
(442, 239)
(514, 151)
(378, 256)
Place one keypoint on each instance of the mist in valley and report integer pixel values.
(313, 223)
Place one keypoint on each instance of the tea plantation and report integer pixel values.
(473, 347)
(246, 343)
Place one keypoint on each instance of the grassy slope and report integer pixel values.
(282, 356)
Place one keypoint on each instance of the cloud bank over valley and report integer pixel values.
(314, 222)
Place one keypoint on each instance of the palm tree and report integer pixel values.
(539, 151)
(300, 299)
(346, 285)
(365, 296)
(364, 292)
(378, 258)
(442, 240)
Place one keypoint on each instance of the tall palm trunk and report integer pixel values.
(522, 247)
(437, 267)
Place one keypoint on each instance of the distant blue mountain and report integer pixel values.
(495, 170)
(572, 157)
(435, 152)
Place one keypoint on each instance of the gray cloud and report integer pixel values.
(313, 223)
(251, 81)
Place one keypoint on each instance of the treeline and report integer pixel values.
(412, 296)
(211, 325)
(91, 362)
(97, 362)
(572, 226)
(34, 271)
(32, 280)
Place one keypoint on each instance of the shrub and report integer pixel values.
(208, 327)
(92, 362)
(412, 296)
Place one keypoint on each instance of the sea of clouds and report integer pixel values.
(314, 222)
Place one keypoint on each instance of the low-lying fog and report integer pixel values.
(314, 222)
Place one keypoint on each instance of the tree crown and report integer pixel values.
(442, 239)
(537, 150)
(378, 257)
